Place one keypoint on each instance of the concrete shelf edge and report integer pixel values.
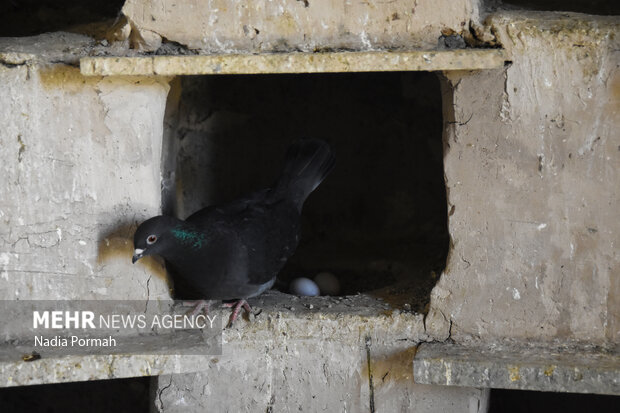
(564, 368)
(274, 63)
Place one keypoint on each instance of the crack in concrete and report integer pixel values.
(465, 261)
(371, 386)
(272, 402)
(461, 123)
(160, 392)
(384, 376)
(431, 338)
(148, 294)
(21, 238)
(11, 65)
(111, 368)
(505, 112)
(22, 148)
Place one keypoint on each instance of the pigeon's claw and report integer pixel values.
(236, 306)
(199, 306)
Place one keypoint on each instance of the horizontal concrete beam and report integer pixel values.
(376, 61)
(519, 367)
(285, 25)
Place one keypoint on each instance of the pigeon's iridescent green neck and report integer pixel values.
(188, 237)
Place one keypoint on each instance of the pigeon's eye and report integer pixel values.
(151, 239)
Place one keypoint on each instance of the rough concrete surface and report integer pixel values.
(323, 355)
(316, 354)
(532, 162)
(288, 25)
(58, 47)
(519, 366)
(331, 377)
(77, 165)
(282, 320)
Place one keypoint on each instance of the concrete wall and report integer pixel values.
(532, 160)
(307, 376)
(290, 25)
(80, 165)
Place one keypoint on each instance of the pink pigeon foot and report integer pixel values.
(199, 305)
(236, 306)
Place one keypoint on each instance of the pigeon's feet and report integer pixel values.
(236, 306)
(199, 306)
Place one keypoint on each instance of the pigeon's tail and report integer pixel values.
(307, 163)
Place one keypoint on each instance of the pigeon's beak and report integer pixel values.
(137, 254)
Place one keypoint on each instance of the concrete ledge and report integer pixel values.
(558, 369)
(86, 368)
(376, 61)
(358, 321)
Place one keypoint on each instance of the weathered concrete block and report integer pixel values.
(80, 160)
(288, 25)
(519, 366)
(532, 161)
(310, 376)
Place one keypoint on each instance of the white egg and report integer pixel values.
(304, 286)
(328, 283)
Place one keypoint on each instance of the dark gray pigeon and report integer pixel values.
(234, 251)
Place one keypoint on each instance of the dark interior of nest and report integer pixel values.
(378, 222)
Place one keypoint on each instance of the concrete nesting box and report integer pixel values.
(499, 172)
(379, 219)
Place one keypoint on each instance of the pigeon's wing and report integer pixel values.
(227, 212)
(214, 267)
(270, 235)
(202, 215)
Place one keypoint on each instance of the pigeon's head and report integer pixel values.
(151, 236)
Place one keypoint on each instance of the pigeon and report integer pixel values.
(234, 251)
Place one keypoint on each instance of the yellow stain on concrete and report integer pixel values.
(549, 370)
(514, 373)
